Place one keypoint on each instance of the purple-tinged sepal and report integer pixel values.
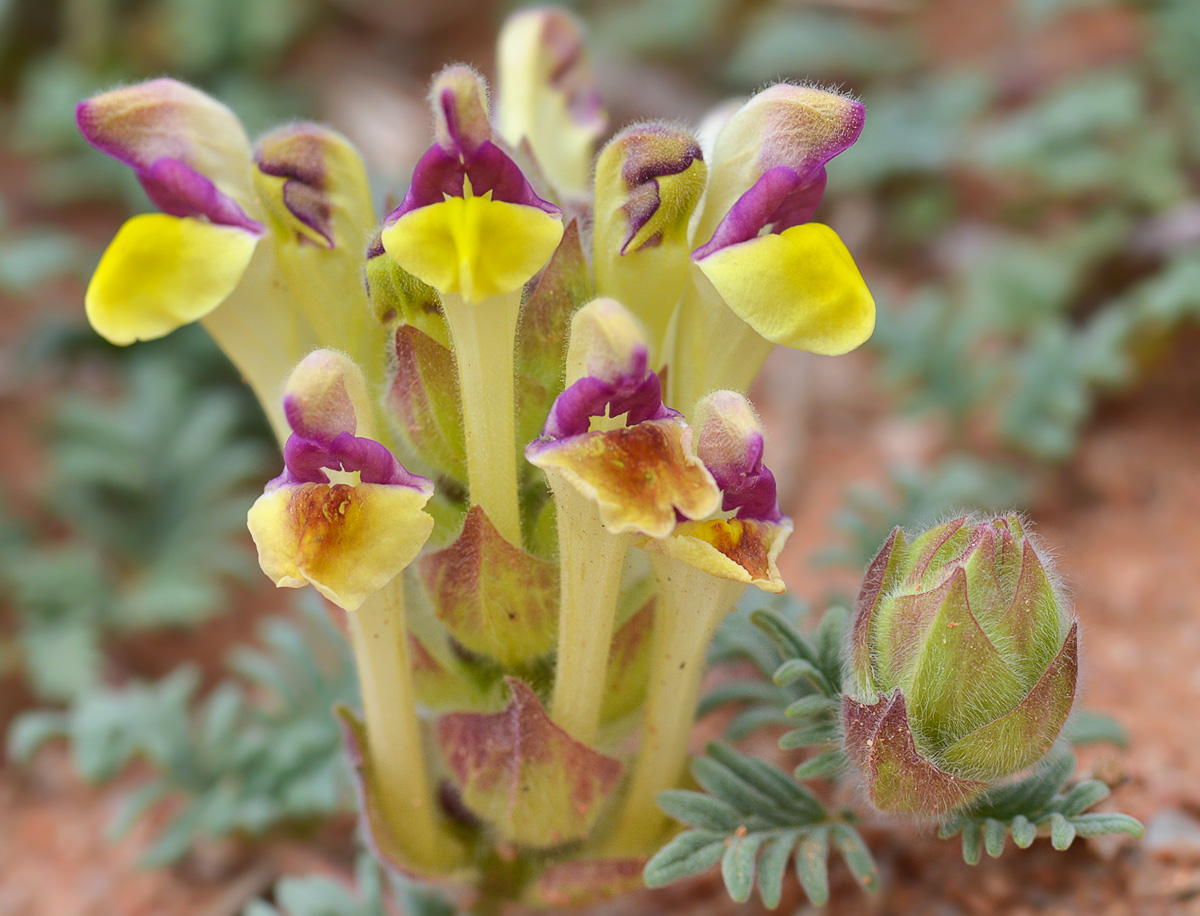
(963, 660)
(649, 179)
(523, 775)
(637, 467)
(558, 293)
(879, 742)
(576, 883)
(344, 516)
(548, 95)
(422, 400)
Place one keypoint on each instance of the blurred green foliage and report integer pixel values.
(54, 53)
(261, 750)
(141, 521)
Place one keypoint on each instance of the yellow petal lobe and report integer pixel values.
(473, 246)
(799, 288)
(346, 541)
(637, 476)
(161, 272)
(736, 549)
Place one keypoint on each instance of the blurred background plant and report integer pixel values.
(1023, 202)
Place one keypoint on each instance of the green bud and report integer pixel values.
(962, 664)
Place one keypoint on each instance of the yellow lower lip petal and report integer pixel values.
(161, 272)
(799, 288)
(742, 551)
(474, 246)
(346, 541)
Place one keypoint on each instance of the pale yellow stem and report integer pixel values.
(648, 283)
(484, 336)
(326, 287)
(710, 348)
(691, 603)
(260, 331)
(394, 753)
(591, 561)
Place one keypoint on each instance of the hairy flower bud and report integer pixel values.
(963, 658)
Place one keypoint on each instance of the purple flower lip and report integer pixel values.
(735, 461)
(179, 190)
(309, 452)
(780, 199)
(750, 494)
(638, 396)
(306, 460)
(305, 179)
(440, 174)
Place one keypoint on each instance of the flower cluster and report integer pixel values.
(517, 447)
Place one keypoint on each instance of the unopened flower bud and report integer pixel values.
(963, 660)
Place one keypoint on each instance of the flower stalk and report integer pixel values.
(484, 337)
(696, 369)
(691, 605)
(395, 751)
(591, 560)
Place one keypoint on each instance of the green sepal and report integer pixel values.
(495, 599)
(424, 401)
(960, 680)
(563, 286)
(397, 297)
(1025, 734)
(883, 574)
